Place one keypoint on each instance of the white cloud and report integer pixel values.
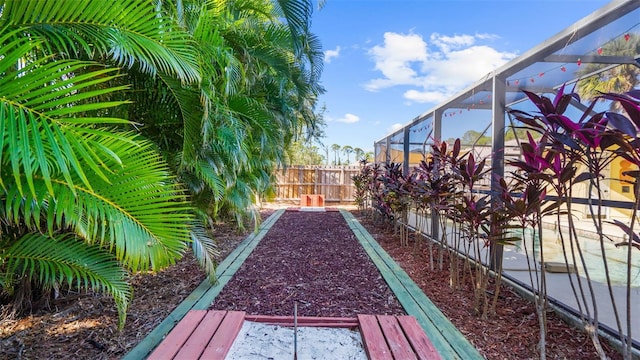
(447, 43)
(396, 58)
(436, 70)
(349, 119)
(330, 54)
(425, 96)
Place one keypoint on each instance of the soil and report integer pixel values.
(84, 325)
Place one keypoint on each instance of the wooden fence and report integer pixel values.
(333, 182)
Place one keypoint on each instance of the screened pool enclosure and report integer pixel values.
(593, 49)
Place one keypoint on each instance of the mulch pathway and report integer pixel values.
(314, 259)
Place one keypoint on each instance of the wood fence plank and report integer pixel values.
(420, 343)
(178, 336)
(223, 338)
(396, 339)
(200, 337)
(374, 342)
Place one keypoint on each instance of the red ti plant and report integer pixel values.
(623, 138)
(394, 200)
(438, 188)
(526, 209)
(362, 182)
(574, 152)
(477, 218)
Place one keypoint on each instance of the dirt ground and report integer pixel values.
(84, 325)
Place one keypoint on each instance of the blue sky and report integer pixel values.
(388, 61)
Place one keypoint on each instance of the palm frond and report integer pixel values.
(139, 214)
(64, 259)
(127, 31)
(39, 102)
(204, 249)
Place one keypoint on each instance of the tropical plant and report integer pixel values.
(80, 202)
(362, 181)
(259, 90)
(220, 88)
(575, 152)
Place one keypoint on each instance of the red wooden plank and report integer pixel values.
(397, 341)
(419, 340)
(201, 336)
(336, 322)
(373, 338)
(224, 337)
(177, 337)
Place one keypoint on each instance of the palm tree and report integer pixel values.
(358, 153)
(603, 78)
(347, 150)
(259, 88)
(369, 156)
(336, 149)
(88, 202)
(221, 106)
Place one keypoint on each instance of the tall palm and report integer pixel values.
(358, 153)
(336, 149)
(347, 149)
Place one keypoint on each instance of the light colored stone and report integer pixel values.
(258, 341)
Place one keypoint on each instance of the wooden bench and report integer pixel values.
(209, 334)
(312, 200)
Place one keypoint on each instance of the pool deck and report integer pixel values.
(440, 332)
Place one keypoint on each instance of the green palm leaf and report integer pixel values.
(127, 31)
(38, 103)
(64, 259)
(204, 249)
(138, 214)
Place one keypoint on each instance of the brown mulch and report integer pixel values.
(312, 259)
(83, 326)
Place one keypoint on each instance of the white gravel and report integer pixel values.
(258, 341)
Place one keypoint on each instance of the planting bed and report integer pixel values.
(512, 333)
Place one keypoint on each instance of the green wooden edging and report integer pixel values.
(205, 293)
(449, 341)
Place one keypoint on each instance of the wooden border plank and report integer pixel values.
(178, 336)
(374, 342)
(420, 343)
(336, 322)
(447, 339)
(201, 336)
(396, 339)
(193, 300)
(223, 338)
